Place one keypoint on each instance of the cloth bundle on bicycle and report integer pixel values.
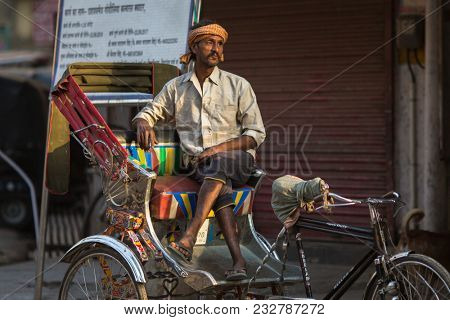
(290, 193)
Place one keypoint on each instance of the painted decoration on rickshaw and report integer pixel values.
(181, 205)
(145, 159)
(129, 220)
(242, 201)
(165, 158)
(147, 240)
(174, 231)
(169, 159)
(138, 245)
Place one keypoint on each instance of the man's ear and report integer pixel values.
(194, 48)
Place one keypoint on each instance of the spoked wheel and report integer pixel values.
(414, 277)
(100, 274)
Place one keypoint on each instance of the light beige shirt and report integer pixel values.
(224, 109)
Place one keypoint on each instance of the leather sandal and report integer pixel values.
(236, 275)
(181, 250)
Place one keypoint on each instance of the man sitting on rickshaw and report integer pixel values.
(220, 126)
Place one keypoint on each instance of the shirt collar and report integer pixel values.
(187, 76)
(214, 76)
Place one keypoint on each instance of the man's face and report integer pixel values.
(209, 50)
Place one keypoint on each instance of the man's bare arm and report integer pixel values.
(241, 143)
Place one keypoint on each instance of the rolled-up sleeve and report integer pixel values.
(250, 116)
(161, 108)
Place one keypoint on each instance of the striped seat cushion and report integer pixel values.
(163, 158)
(176, 198)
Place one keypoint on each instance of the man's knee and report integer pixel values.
(223, 200)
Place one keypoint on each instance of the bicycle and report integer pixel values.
(400, 276)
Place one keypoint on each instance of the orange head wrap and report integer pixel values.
(201, 33)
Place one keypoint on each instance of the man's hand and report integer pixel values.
(207, 153)
(145, 134)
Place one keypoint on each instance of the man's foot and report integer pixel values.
(181, 250)
(239, 272)
(236, 274)
(183, 247)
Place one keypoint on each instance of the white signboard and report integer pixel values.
(122, 31)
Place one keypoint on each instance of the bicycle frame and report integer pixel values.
(373, 236)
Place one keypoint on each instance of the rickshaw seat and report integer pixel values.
(175, 197)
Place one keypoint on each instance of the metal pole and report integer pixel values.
(43, 221)
(41, 248)
(434, 168)
(44, 198)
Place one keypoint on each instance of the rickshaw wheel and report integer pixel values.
(100, 274)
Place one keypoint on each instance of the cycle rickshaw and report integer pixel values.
(148, 206)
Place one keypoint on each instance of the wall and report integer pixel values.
(409, 131)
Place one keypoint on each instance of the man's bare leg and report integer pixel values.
(227, 222)
(209, 191)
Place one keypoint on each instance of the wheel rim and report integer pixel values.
(414, 280)
(99, 276)
(14, 213)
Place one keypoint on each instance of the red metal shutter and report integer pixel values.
(287, 49)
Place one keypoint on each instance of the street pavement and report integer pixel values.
(17, 281)
(327, 262)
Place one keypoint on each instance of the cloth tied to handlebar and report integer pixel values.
(201, 33)
(290, 194)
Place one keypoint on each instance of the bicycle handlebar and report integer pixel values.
(391, 197)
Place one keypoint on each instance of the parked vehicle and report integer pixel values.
(23, 112)
(131, 260)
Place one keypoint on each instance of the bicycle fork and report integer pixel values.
(303, 267)
(387, 285)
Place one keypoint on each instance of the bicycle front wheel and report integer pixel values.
(100, 274)
(413, 277)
